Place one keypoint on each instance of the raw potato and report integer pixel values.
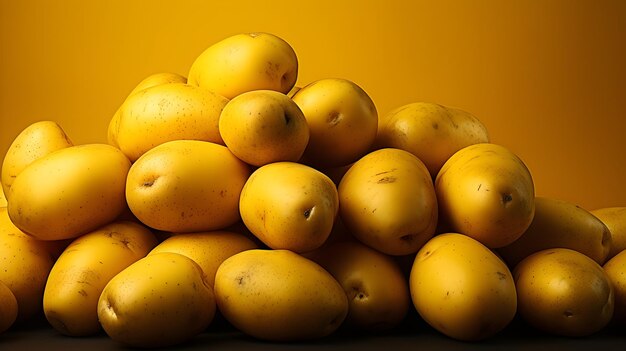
(279, 295)
(485, 191)
(290, 206)
(148, 82)
(159, 301)
(563, 292)
(430, 131)
(186, 186)
(559, 223)
(615, 269)
(207, 249)
(8, 308)
(615, 219)
(378, 293)
(387, 201)
(34, 142)
(264, 126)
(70, 299)
(461, 288)
(342, 121)
(245, 62)
(25, 263)
(168, 112)
(69, 192)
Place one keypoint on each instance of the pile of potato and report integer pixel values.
(292, 212)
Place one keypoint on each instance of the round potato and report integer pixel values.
(69, 192)
(615, 269)
(563, 292)
(186, 186)
(615, 220)
(159, 301)
(8, 308)
(387, 201)
(461, 288)
(279, 295)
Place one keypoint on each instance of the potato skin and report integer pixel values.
(486, 192)
(387, 201)
(69, 192)
(615, 220)
(563, 292)
(8, 308)
(279, 295)
(461, 288)
(615, 269)
(79, 275)
(558, 223)
(161, 300)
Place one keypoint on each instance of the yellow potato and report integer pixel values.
(378, 293)
(288, 205)
(186, 186)
(430, 131)
(486, 192)
(559, 223)
(279, 295)
(461, 288)
(159, 301)
(8, 308)
(615, 219)
(168, 112)
(148, 82)
(342, 121)
(563, 292)
(69, 192)
(264, 126)
(388, 201)
(25, 264)
(207, 249)
(70, 299)
(34, 142)
(615, 269)
(245, 62)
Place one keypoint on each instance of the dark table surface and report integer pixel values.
(413, 334)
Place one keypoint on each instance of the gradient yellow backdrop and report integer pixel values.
(547, 78)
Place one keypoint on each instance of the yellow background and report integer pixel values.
(547, 78)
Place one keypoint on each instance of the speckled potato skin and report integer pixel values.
(79, 275)
(161, 300)
(245, 62)
(563, 292)
(8, 308)
(168, 112)
(279, 295)
(461, 288)
(615, 220)
(615, 269)
(69, 192)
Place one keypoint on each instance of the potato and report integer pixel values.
(431, 132)
(148, 82)
(378, 293)
(25, 264)
(387, 201)
(159, 301)
(290, 206)
(558, 223)
(207, 249)
(35, 141)
(461, 288)
(168, 112)
(186, 186)
(486, 192)
(264, 126)
(70, 300)
(279, 295)
(245, 62)
(615, 269)
(69, 192)
(342, 121)
(563, 292)
(8, 308)
(3, 199)
(615, 220)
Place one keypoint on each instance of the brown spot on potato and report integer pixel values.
(307, 212)
(386, 180)
(506, 198)
(83, 292)
(501, 275)
(568, 313)
(334, 118)
(287, 118)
